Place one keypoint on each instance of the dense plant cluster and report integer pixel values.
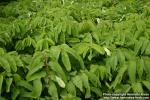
(73, 49)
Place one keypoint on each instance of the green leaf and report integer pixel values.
(55, 52)
(78, 48)
(96, 70)
(69, 26)
(12, 62)
(147, 51)
(97, 91)
(55, 35)
(36, 75)
(16, 77)
(86, 84)
(37, 87)
(75, 28)
(146, 67)
(57, 68)
(45, 45)
(25, 84)
(5, 64)
(8, 84)
(132, 71)
(19, 45)
(70, 97)
(27, 41)
(87, 38)
(138, 46)
(64, 27)
(83, 50)
(114, 62)
(59, 27)
(39, 45)
(25, 94)
(144, 46)
(74, 54)
(2, 41)
(140, 67)
(121, 56)
(34, 68)
(126, 88)
(15, 93)
(122, 88)
(62, 38)
(98, 48)
(18, 61)
(33, 43)
(119, 76)
(87, 26)
(102, 72)
(73, 40)
(50, 41)
(2, 51)
(71, 88)
(65, 60)
(96, 37)
(90, 55)
(77, 81)
(60, 82)
(147, 84)
(137, 88)
(52, 90)
(94, 79)
(1, 83)
(17, 28)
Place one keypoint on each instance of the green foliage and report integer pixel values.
(73, 49)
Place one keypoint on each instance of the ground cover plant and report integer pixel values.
(73, 49)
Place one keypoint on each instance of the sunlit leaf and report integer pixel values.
(65, 60)
(52, 90)
(77, 81)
